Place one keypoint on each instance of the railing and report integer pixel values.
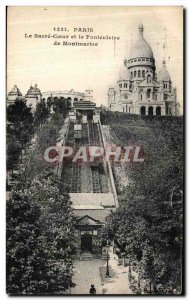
(60, 163)
(109, 169)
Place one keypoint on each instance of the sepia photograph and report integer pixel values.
(94, 150)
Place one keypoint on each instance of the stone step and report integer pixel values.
(86, 256)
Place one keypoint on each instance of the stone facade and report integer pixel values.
(34, 96)
(139, 90)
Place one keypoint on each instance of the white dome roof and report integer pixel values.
(163, 74)
(141, 48)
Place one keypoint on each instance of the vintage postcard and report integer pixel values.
(94, 124)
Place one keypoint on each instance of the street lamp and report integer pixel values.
(123, 256)
(139, 277)
(107, 260)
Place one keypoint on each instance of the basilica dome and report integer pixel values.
(163, 74)
(141, 48)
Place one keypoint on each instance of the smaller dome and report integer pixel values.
(15, 91)
(33, 90)
(124, 74)
(163, 74)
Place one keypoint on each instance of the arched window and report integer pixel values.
(134, 73)
(156, 97)
(143, 73)
(158, 111)
(75, 99)
(129, 109)
(120, 85)
(149, 79)
(150, 111)
(165, 85)
(131, 74)
(148, 93)
(143, 110)
(165, 96)
(139, 73)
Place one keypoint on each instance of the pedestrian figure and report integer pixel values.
(92, 290)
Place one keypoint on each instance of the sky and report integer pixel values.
(56, 68)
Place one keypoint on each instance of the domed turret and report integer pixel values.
(15, 92)
(33, 96)
(33, 91)
(13, 95)
(163, 74)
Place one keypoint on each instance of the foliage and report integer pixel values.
(13, 152)
(21, 118)
(40, 224)
(19, 131)
(40, 238)
(148, 224)
(61, 106)
(42, 113)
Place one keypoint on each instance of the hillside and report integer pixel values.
(147, 227)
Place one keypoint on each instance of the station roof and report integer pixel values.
(97, 214)
(95, 199)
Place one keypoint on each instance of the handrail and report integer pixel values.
(60, 164)
(109, 169)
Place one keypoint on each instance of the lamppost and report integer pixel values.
(138, 284)
(129, 271)
(123, 256)
(107, 260)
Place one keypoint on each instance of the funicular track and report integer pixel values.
(90, 136)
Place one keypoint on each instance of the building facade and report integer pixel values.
(139, 90)
(69, 95)
(34, 96)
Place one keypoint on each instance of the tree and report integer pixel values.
(41, 114)
(61, 106)
(22, 241)
(40, 238)
(148, 224)
(58, 222)
(40, 223)
(13, 153)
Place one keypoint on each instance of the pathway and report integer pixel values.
(85, 274)
(93, 272)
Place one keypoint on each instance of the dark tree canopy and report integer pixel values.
(147, 227)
